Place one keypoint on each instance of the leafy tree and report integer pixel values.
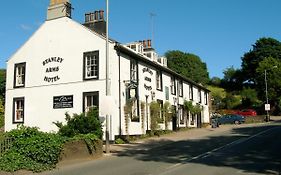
(217, 96)
(232, 101)
(263, 48)
(232, 80)
(215, 81)
(1, 114)
(2, 83)
(249, 97)
(272, 66)
(188, 65)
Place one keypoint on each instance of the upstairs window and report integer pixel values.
(91, 65)
(199, 96)
(206, 98)
(190, 92)
(18, 110)
(180, 88)
(133, 71)
(173, 85)
(19, 76)
(159, 80)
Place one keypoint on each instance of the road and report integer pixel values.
(239, 151)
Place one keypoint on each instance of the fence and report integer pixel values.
(5, 144)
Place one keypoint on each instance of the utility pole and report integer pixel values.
(107, 147)
(152, 15)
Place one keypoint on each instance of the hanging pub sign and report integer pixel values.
(65, 101)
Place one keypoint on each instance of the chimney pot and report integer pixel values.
(144, 43)
(149, 43)
(101, 12)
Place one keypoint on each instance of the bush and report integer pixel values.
(81, 124)
(120, 141)
(1, 114)
(31, 150)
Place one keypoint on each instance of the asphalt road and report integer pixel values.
(239, 151)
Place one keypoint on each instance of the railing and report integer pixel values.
(5, 144)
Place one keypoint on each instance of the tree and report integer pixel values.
(215, 81)
(217, 96)
(249, 97)
(188, 65)
(263, 48)
(272, 66)
(2, 83)
(232, 80)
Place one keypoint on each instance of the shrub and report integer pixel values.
(81, 124)
(120, 141)
(31, 150)
(1, 114)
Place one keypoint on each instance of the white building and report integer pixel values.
(62, 68)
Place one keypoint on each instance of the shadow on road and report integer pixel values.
(254, 155)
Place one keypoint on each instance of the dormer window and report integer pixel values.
(19, 75)
(91, 65)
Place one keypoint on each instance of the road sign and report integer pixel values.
(267, 107)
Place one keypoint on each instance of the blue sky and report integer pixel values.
(218, 31)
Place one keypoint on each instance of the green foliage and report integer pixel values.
(232, 80)
(188, 65)
(154, 116)
(217, 96)
(168, 113)
(232, 101)
(81, 124)
(2, 83)
(119, 141)
(215, 81)
(31, 150)
(249, 97)
(2, 117)
(196, 109)
(263, 48)
(90, 140)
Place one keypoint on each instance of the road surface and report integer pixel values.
(238, 151)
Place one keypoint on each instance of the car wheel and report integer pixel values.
(236, 122)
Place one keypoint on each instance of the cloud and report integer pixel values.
(25, 27)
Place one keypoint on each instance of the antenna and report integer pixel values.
(152, 15)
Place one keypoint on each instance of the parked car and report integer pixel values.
(231, 119)
(247, 112)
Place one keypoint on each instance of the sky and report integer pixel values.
(220, 32)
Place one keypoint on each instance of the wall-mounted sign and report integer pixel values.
(65, 101)
(147, 78)
(52, 70)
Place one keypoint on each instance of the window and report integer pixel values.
(19, 75)
(206, 98)
(180, 88)
(181, 116)
(90, 100)
(91, 65)
(159, 80)
(190, 92)
(133, 72)
(18, 110)
(161, 116)
(173, 85)
(133, 103)
(199, 96)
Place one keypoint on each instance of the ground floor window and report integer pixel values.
(161, 116)
(192, 121)
(181, 116)
(18, 110)
(90, 100)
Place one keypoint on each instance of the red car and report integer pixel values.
(247, 112)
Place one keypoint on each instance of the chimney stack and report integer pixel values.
(96, 22)
(59, 9)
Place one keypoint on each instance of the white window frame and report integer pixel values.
(89, 100)
(173, 85)
(18, 110)
(19, 75)
(133, 70)
(180, 88)
(91, 65)
(159, 84)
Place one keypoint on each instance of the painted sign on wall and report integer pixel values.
(147, 78)
(52, 70)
